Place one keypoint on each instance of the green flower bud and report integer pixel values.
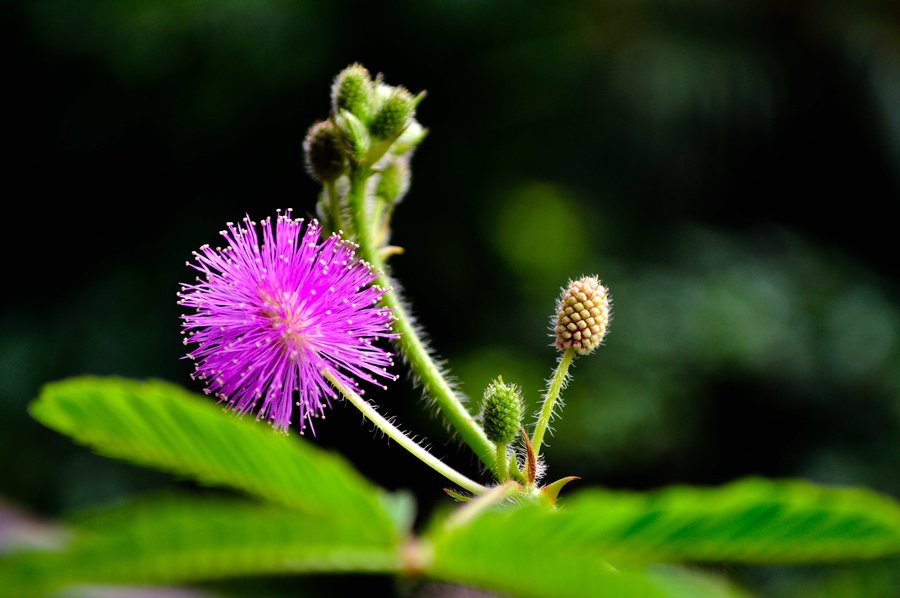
(352, 91)
(394, 181)
(324, 155)
(502, 411)
(582, 315)
(354, 135)
(411, 137)
(394, 114)
(380, 93)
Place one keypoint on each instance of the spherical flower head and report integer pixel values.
(273, 311)
(582, 315)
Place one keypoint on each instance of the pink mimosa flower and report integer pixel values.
(271, 314)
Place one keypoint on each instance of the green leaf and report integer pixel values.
(500, 562)
(175, 540)
(677, 582)
(160, 425)
(753, 521)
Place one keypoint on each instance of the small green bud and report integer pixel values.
(381, 91)
(502, 411)
(582, 315)
(411, 137)
(352, 91)
(324, 156)
(393, 183)
(394, 114)
(354, 135)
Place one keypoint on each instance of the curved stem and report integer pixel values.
(411, 344)
(556, 386)
(403, 440)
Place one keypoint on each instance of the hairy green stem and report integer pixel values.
(514, 472)
(502, 462)
(403, 440)
(556, 385)
(411, 344)
(334, 203)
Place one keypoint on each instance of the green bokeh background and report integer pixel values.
(730, 169)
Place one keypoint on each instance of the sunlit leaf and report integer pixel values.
(160, 425)
(501, 563)
(753, 521)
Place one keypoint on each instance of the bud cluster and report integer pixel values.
(372, 131)
(370, 120)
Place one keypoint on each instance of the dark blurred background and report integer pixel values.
(730, 169)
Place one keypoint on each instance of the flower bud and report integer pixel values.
(411, 137)
(394, 114)
(352, 91)
(394, 181)
(502, 411)
(582, 316)
(354, 135)
(324, 156)
(381, 91)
